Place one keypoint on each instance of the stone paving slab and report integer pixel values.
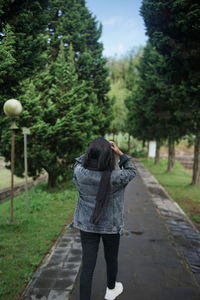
(55, 277)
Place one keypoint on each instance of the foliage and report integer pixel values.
(151, 110)
(67, 109)
(72, 22)
(178, 40)
(173, 28)
(7, 52)
(63, 98)
(137, 150)
(20, 247)
(118, 69)
(136, 147)
(122, 75)
(22, 44)
(117, 94)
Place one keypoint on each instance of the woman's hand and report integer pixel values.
(115, 148)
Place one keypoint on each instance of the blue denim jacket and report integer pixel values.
(87, 183)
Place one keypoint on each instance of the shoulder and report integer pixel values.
(80, 159)
(83, 175)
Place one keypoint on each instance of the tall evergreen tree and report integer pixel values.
(151, 112)
(173, 28)
(22, 43)
(72, 21)
(25, 21)
(69, 89)
(59, 115)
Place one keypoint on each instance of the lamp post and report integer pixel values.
(26, 131)
(12, 108)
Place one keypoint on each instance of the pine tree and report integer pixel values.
(59, 109)
(68, 113)
(7, 61)
(151, 111)
(21, 47)
(173, 28)
(72, 21)
(67, 79)
(25, 21)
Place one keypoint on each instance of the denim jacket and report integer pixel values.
(87, 183)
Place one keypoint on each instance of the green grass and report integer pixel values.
(24, 242)
(178, 185)
(5, 178)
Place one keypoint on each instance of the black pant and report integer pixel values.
(90, 245)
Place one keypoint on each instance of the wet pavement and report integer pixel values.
(158, 256)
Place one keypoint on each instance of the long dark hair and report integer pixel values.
(100, 157)
(100, 150)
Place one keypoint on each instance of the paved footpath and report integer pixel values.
(150, 265)
(159, 255)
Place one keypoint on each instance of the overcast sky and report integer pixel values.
(123, 27)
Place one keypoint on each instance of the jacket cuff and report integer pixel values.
(122, 159)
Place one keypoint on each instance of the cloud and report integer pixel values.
(117, 49)
(134, 24)
(120, 48)
(131, 23)
(111, 21)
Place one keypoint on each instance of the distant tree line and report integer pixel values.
(51, 60)
(164, 99)
(122, 75)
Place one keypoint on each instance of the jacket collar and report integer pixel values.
(80, 158)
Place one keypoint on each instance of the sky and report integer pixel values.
(123, 27)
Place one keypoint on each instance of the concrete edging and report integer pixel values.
(56, 276)
(5, 193)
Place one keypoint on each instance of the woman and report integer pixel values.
(99, 210)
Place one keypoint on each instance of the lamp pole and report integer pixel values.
(12, 108)
(13, 128)
(26, 131)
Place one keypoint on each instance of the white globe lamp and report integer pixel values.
(12, 108)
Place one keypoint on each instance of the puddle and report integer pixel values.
(129, 232)
(136, 232)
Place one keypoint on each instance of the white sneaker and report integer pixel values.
(112, 294)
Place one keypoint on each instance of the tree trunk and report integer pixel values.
(129, 143)
(143, 144)
(196, 164)
(52, 180)
(157, 157)
(171, 154)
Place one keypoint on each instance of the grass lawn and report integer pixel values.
(177, 184)
(5, 178)
(24, 243)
